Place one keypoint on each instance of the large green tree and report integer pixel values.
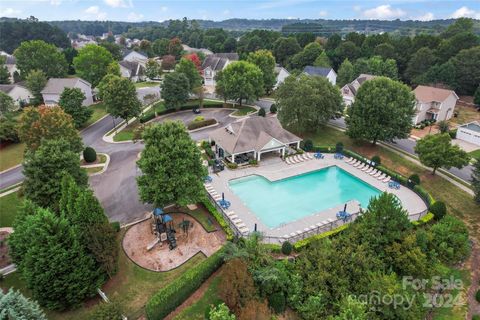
(264, 60)
(383, 110)
(307, 56)
(44, 169)
(377, 66)
(346, 73)
(476, 180)
(284, 48)
(92, 63)
(436, 150)
(120, 98)
(13, 305)
(152, 69)
(175, 89)
(323, 61)
(47, 123)
(171, 165)
(241, 80)
(71, 101)
(4, 74)
(305, 103)
(39, 55)
(467, 70)
(36, 81)
(188, 68)
(51, 260)
(6, 104)
(160, 47)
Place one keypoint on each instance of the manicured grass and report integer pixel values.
(127, 133)
(11, 155)
(475, 154)
(8, 208)
(93, 170)
(132, 286)
(202, 215)
(146, 84)
(243, 110)
(99, 111)
(456, 312)
(198, 309)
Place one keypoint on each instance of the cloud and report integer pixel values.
(135, 16)
(118, 3)
(55, 2)
(323, 13)
(95, 11)
(9, 12)
(384, 12)
(226, 12)
(357, 8)
(164, 9)
(426, 17)
(465, 12)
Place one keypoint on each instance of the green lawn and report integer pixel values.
(202, 215)
(243, 110)
(457, 312)
(93, 170)
(146, 84)
(8, 208)
(127, 133)
(99, 111)
(475, 154)
(11, 155)
(132, 286)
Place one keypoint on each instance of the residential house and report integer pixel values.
(215, 63)
(20, 94)
(328, 73)
(55, 86)
(349, 91)
(10, 63)
(252, 137)
(135, 56)
(132, 70)
(281, 74)
(434, 104)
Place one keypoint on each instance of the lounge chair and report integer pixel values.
(309, 155)
(305, 157)
(374, 171)
(361, 166)
(217, 197)
(359, 163)
(300, 157)
(233, 217)
(366, 168)
(287, 160)
(369, 170)
(382, 176)
(292, 160)
(379, 173)
(386, 179)
(230, 213)
(241, 225)
(244, 229)
(354, 162)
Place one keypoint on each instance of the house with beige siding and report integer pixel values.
(19, 94)
(434, 104)
(349, 91)
(55, 86)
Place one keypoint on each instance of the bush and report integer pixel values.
(232, 165)
(89, 154)
(453, 133)
(415, 179)
(476, 317)
(286, 248)
(115, 226)
(107, 311)
(273, 108)
(198, 118)
(147, 116)
(261, 112)
(174, 294)
(252, 162)
(477, 295)
(443, 126)
(377, 159)
(277, 302)
(438, 209)
(219, 217)
(339, 147)
(308, 145)
(200, 124)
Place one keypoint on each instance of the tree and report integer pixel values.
(346, 50)
(175, 90)
(437, 151)
(377, 66)
(175, 48)
(476, 180)
(221, 312)
(47, 123)
(450, 240)
(8, 129)
(69, 54)
(6, 104)
(14, 305)
(420, 62)
(113, 69)
(160, 47)
(385, 50)
(113, 48)
(168, 62)
(53, 263)
(284, 48)
(238, 288)
(307, 56)
(36, 81)
(4, 74)
(188, 68)
(92, 62)
(171, 166)
(265, 61)
(240, 81)
(196, 61)
(107, 311)
(467, 73)
(346, 73)
(352, 309)
(120, 98)
(152, 69)
(383, 110)
(305, 103)
(45, 168)
(39, 55)
(322, 61)
(476, 97)
(71, 101)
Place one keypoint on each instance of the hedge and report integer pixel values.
(219, 217)
(303, 243)
(174, 294)
(201, 124)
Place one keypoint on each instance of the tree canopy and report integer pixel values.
(39, 55)
(71, 101)
(382, 110)
(346, 73)
(284, 48)
(265, 61)
(175, 89)
(120, 98)
(189, 69)
(92, 63)
(172, 170)
(14, 305)
(36, 81)
(6, 104)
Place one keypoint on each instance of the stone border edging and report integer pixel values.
(11, 168)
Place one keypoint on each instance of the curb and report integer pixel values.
(97, 165)
(11, 168)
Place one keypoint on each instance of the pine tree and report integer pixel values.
(476, 180)
(13, 305)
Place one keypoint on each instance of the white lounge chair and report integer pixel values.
(241, 225)
(217, 197)
(358, 164)
(382, 176)
(230, 213)
(354, 162)
(387, 179)
(287, 161)
(244, 229)
(305, 157)
(379, 173)
(348, 160)
(374, 171)
(361, 166)
(369, 170)
(299, 158)
(309, 155)
(236, 220)
(366, 168)
(292, 160)
(233, 217)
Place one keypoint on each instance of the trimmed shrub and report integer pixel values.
(252, 162)
(277, 302)
(89, 154)
(308, 145)
(414, 180)
(200, 124)
(477, 295)
(107, 311)
(443, 126)
(261, 112)
(324, 149)
(232, 165)
(174, 294)
(286, 248)
(219, 217)
(453, 133)
(273, 108)
(476, 317)
(438, 209)
(115, 226)
(305, 242)
(339, 147)
(199, 118)
(376, 159)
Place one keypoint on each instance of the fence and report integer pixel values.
(232, 225)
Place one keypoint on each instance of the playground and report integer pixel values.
(167, 240)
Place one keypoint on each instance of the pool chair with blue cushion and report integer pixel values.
(387, 179)
(338, 156)
(208, 179)
(318, 155)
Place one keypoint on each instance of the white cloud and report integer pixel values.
(465, 12)
(135, 16)
(9, 12)
(95, 11)
(118, 3)
(384, 12)
(164, 9)
(55, 2)
(357, 8)
(426, 17)
(323, 13)
(226, 12)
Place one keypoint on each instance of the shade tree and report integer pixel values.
(35, 82)
(39, 55)
(189, 69)
(71, 101)
(175, 89)
(120, 98)
(265, 61)
(92, 63)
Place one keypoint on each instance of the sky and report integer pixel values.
(157, 10)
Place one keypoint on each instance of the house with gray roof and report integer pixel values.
(135, 56)
(349, 91)
(328, 73)
(252, 137)
(215, 63)
(132, 70)
(20, 94)
(55, 86)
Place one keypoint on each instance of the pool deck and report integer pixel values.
(275, 169)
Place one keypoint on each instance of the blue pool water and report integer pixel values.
(290, 199)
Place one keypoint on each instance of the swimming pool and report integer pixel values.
(290, 199)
